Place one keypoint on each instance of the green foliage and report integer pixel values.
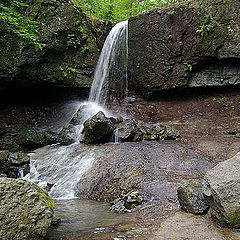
(67, 70)
(14, 21)
(206, 27)
(220, 100)
(119, 10)
(187, 67)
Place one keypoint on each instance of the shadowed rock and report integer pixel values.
(189, 44)
(98, 129)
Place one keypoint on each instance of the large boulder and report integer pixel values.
(189, 44)
(26, 211)
(222, 191)
(73, 44)
(128, 131)
(191, 197)
(98, 129)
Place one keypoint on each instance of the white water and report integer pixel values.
(110, 51)
(64, 166)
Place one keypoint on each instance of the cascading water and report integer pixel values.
(63, 166)
(113, 57)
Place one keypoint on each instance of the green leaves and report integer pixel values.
(23, 26)
(118, 10)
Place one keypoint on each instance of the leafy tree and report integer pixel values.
(119, 10)
(13, 20)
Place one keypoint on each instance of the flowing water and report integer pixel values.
(113, 59)
(60, 168)
(63, 166)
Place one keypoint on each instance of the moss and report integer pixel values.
(214, 21)
(234, 219)
(47, 201)
(4, 155)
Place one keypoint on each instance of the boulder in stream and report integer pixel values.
(26, 211)
(222, 192)
(98, 129)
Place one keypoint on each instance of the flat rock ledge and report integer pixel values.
(26, 211)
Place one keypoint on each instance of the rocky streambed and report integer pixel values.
(208, 135)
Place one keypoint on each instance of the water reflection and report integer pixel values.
(81, 219)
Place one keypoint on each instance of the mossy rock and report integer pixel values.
(72, 47)
(29, 210)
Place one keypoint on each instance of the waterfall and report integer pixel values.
(61, 167)
(114, 57)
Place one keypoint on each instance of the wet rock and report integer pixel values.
(173, 46)
(5, 162)
(127, 202)
(116, 120)
(98, 129)
(119, 206)
(14, 164)
(78, 117)
(67, 135)
(222, 192)
(191, 197)
(19, 158)
(127, 130)
(20, 164)
(71, 48)
(26, 210)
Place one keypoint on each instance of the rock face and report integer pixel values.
(67, 135)
(71, 52)
(191, 197)
(14, 164)
(26, 211)
(98, 129)
(14, 138)
(223, 182)
(190, 44)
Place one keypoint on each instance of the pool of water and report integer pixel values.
(86, 219)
